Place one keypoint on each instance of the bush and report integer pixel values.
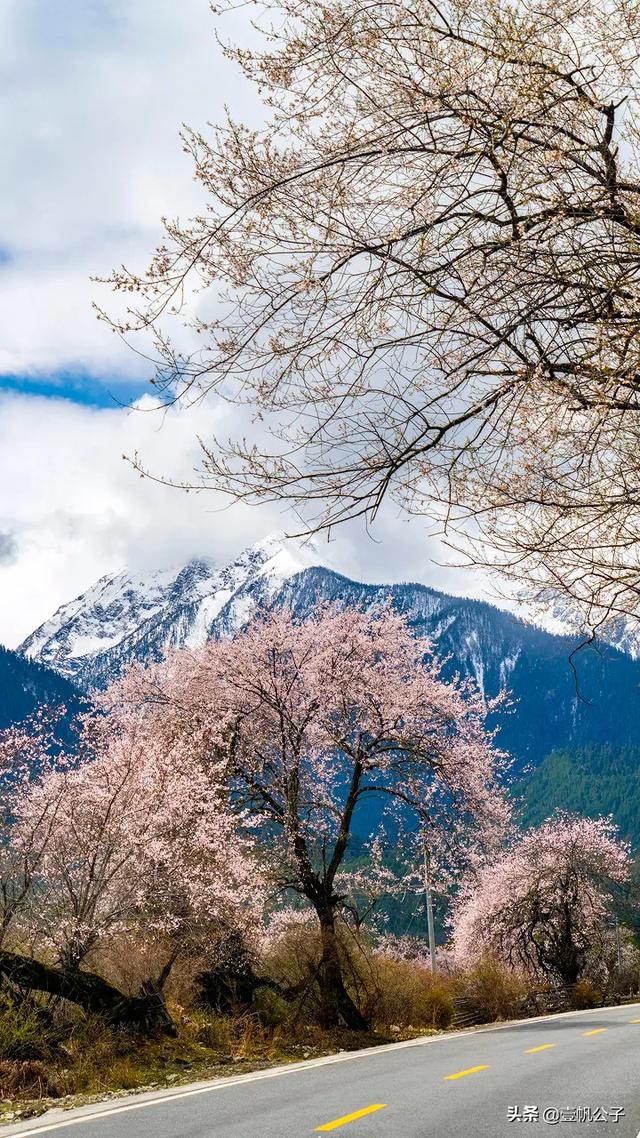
(292, 952)
(406, 994)
(214, 1032)
(24, 1030)
(271, 1008)
(387, 988)
(495, 991)
(585, 994)
(90, 1052)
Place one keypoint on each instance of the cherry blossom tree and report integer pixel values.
(26, 754)
(314, 726)
(543, 904)
(422, 277)
(132, 836)
(124, 840)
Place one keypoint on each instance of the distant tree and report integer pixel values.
(306, 724)
(628, 901)
(544, 903)
(596, 780)
(429, 263)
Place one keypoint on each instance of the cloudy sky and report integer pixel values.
(94, 93)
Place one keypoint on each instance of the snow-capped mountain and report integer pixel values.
(126, 617)
(554, 703)
(621, 632)
(624, 633)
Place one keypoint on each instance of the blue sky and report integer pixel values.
(78, 387)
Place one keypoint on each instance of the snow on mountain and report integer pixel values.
(624, 634)
(550, 705)
(129, 617)
(565, 618)
(126, 617)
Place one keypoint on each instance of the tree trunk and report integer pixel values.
(145, 1012)
(570, 960)
(336, 1005)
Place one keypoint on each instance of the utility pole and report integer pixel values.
(429, 900)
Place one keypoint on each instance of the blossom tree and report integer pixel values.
(542, 904)
(127, 842)
(132, 835)
(310, 725)
(423, 278)
(26, 754)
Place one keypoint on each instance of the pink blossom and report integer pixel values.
(543, 903)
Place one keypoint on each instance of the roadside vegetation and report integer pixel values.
(52, 1054)
(429, 266)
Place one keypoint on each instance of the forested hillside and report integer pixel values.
(26, 686)
(592, 780)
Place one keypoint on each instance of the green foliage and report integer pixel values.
(271, 1008)
(627, 902)
(213, 1031)
(594, 780)
(24, 1031)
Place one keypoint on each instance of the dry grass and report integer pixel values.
(495, 991)
(51, 1054)
(406, 994)
(91, 1061)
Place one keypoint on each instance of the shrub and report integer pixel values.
(585, 994)
(495, 991)
(271, 1008)
(406, 994)
(292, 947)
(90, 1051)
(24, 1030)
(214, 1031)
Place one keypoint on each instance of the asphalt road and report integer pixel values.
(571, 1075)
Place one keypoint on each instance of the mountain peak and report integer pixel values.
(127, 616)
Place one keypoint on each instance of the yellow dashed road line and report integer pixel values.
(542, 1047)
(350, 1117)
(469, 1071)
(596, 1031)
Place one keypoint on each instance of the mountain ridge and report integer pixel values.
(125, 618)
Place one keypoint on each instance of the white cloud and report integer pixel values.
(72, 509)
(94, 94)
